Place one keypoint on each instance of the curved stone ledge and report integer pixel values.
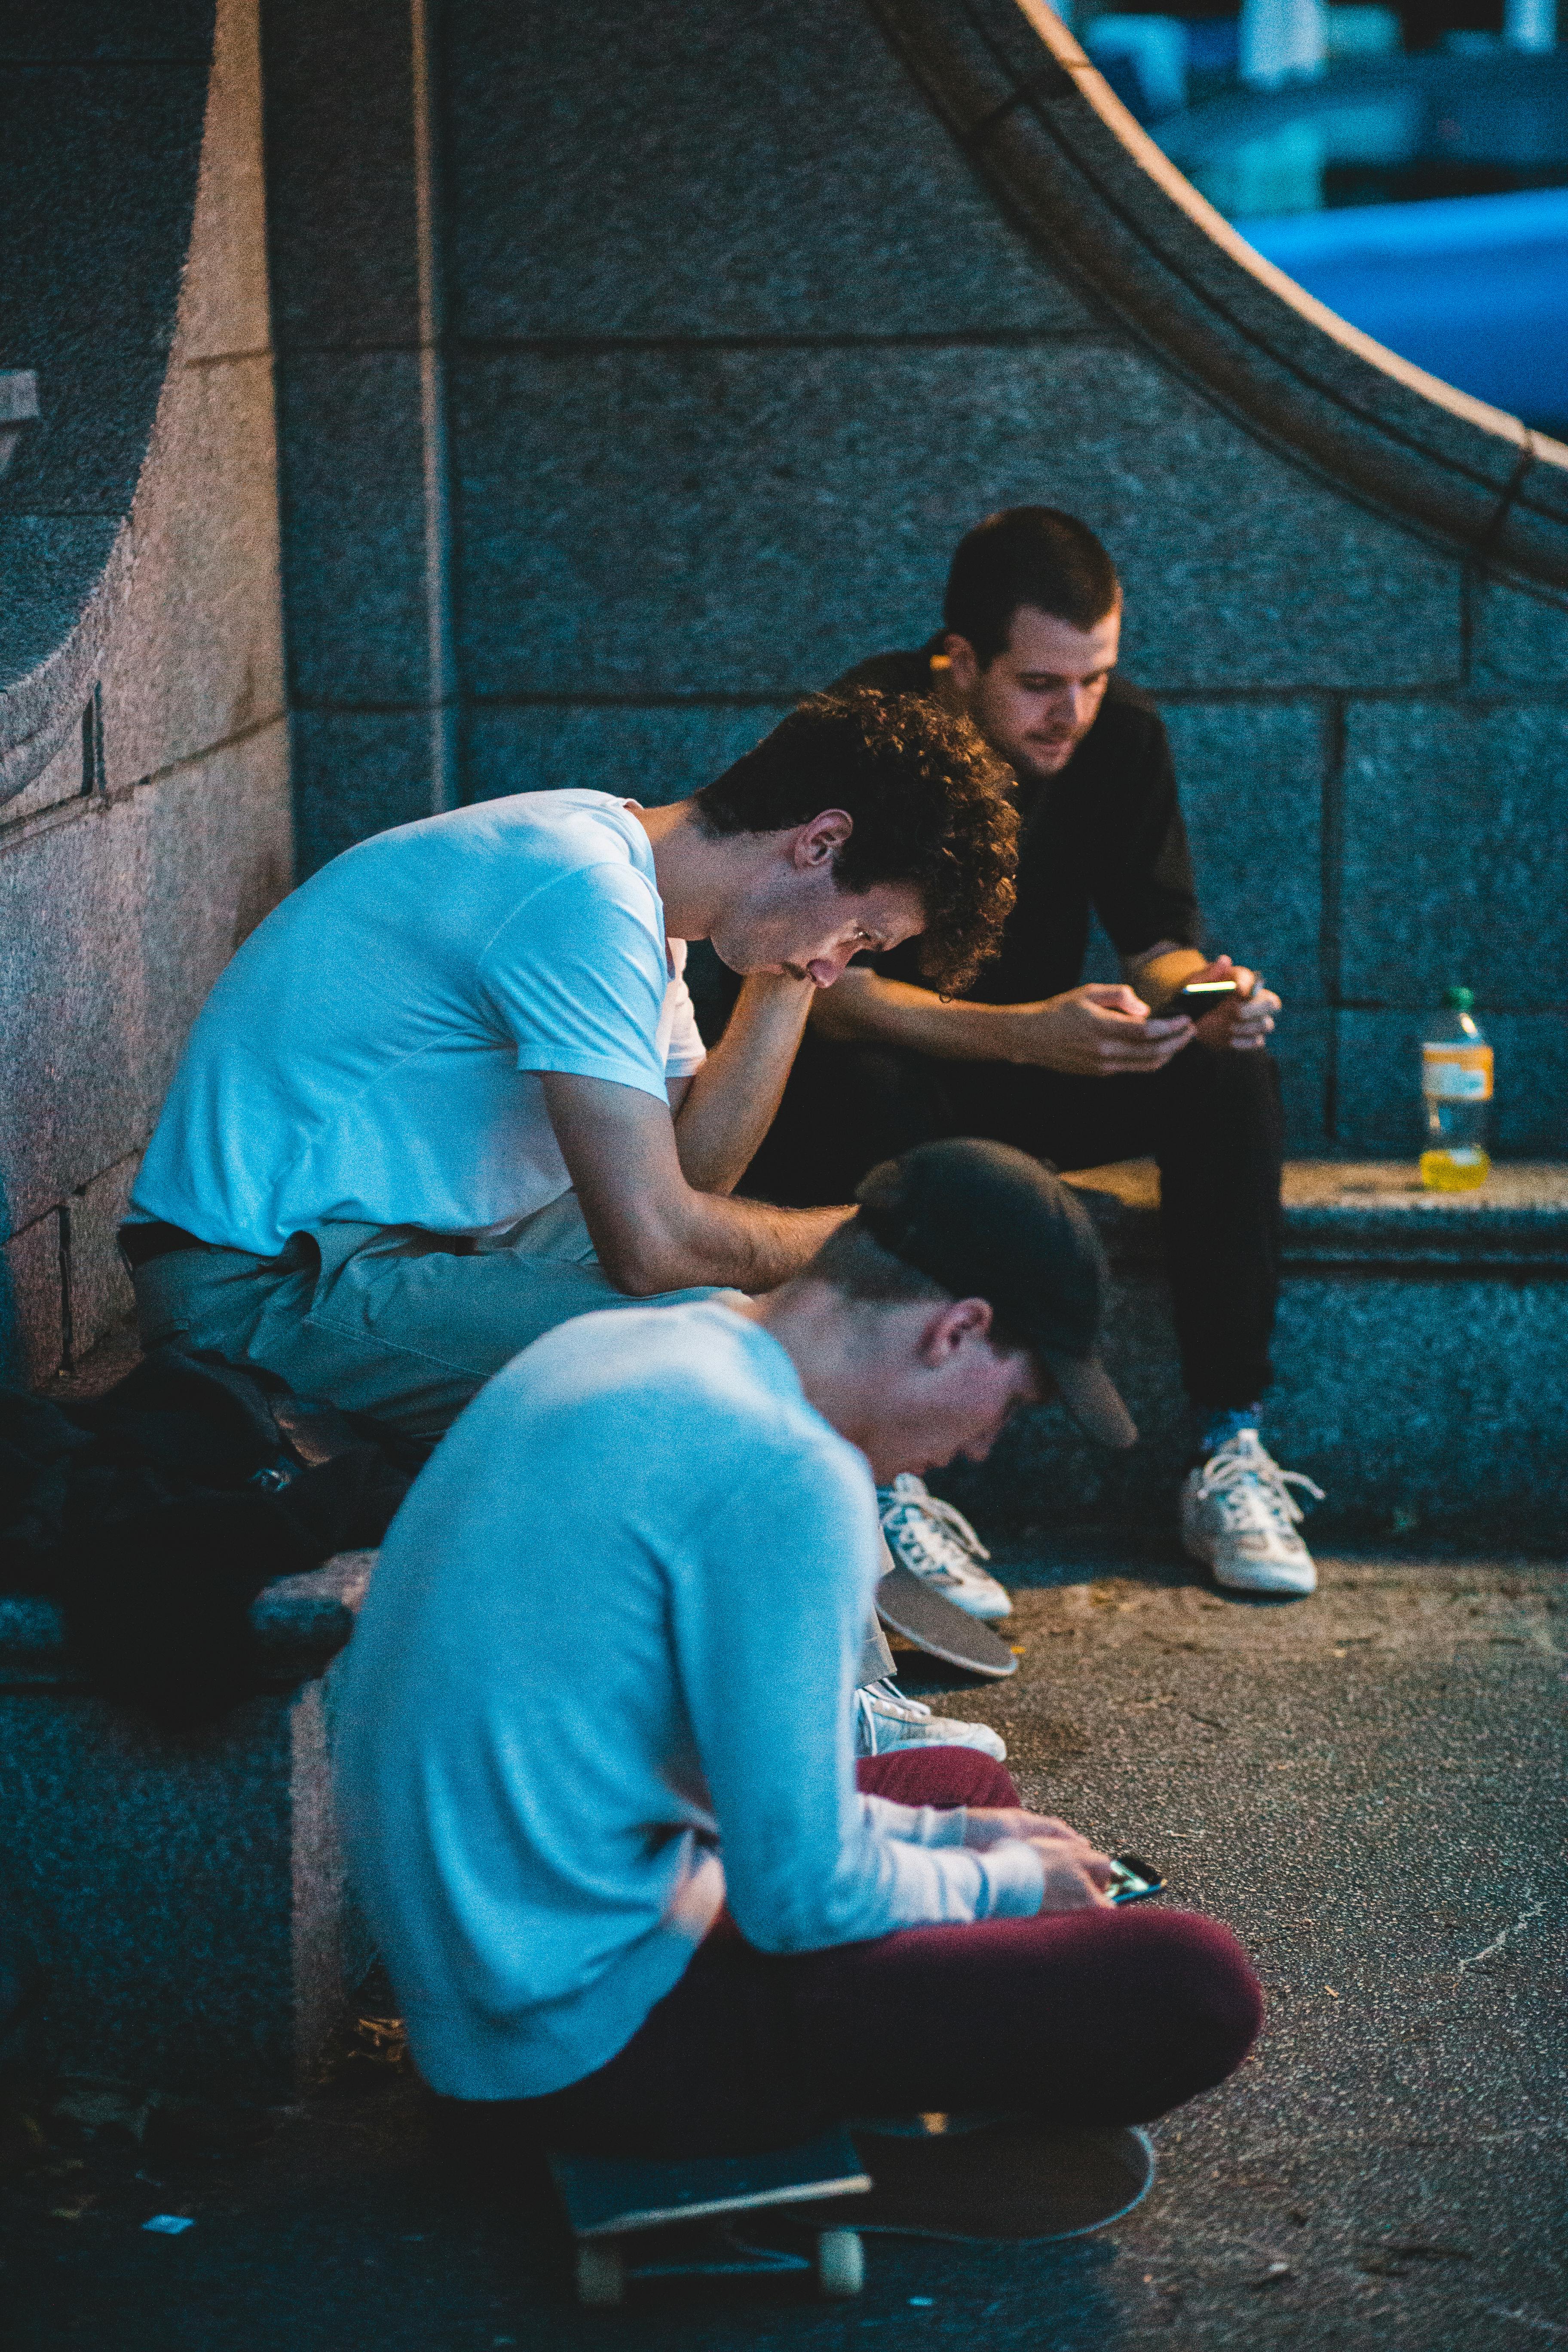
(1099, 198)
(104, 164)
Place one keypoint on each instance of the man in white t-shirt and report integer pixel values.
(451, 1093)
(595, 1739)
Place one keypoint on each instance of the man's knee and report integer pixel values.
(1226, 1101)
(943, 1777)
(1191, 2004)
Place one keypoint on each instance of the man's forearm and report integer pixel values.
(743, 1244)
(652, 1231)
(731, 1100)
(865, 1009)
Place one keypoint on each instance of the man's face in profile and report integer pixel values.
(1042, 694)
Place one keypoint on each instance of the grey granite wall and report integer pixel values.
(144, 811)
(665, 355)
(353, 165)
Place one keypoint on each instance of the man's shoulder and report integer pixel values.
(892, 673)
(1128, 739)
(717, 1399)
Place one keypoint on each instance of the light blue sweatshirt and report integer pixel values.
(602, 1680)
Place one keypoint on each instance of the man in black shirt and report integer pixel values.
(1079, 1074)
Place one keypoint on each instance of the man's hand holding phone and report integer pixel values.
(1242, 1020)
(1102, 1030)
(1076, 1874)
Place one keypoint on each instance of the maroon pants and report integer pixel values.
(1083, 2017)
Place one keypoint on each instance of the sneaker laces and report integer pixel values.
(1252, 1491)
(912, 1503)
(874, 1699)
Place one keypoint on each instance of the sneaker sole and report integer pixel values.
(1268, 1581)
(1265, 1580)
(985, 1612)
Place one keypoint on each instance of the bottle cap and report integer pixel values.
(1459, 999)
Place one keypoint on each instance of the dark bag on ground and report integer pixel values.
(156, 1514)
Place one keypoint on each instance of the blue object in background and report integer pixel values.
(1474, 288)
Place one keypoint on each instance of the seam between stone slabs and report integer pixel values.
(825, 338)
(76, 806)
(1446, 692)
(1331, 886)
(225, 359)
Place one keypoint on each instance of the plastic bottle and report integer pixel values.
(1456, 1096)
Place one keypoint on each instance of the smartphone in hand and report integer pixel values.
(1198, 997)
(1134, 1879)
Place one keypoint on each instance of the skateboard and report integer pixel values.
(911, 1608)
(984, 2179)
(979, 2179)
(632, 2218)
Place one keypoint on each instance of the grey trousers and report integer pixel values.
(385, 1319)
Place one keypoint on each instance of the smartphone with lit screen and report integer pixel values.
(1198, 997)
(1133, 1879)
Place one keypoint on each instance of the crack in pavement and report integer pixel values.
(1496, 1946)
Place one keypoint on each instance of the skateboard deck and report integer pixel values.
(933, 1624)
(633, 2218)
(1010, 2178)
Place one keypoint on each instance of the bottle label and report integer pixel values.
(1457, 1073)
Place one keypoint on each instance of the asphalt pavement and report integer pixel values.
(1367, 1786)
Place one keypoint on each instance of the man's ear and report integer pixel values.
(963, 663)
(819, 842)
(947, 1330)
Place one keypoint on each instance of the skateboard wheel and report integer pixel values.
(840, 2264)
(601, 2275)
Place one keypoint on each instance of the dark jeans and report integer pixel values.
(1082, 2017)
(1211, 1121)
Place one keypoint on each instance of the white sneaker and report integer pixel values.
(929, 1536)
(885, 1719)
(1239, 1515)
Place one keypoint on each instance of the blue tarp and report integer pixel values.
(1473, 287)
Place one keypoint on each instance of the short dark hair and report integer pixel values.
(930, 802)
(1026, 555)
(859, 1268)
(854, 1262)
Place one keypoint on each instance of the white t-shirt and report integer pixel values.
(602, 1679)
(371, 1054)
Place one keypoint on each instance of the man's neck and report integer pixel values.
(696, 872)
(812, 1324)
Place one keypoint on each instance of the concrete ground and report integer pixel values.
(1368, 1786)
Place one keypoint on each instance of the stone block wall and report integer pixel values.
(145, 822)
(718, 338)
(636, 370)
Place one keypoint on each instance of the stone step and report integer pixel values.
(183, 1894)
(1421, 1361)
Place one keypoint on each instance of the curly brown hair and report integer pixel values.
(931, 803)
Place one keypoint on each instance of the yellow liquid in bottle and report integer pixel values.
(1455, 1171)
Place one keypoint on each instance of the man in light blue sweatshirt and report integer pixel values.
(596, 1760)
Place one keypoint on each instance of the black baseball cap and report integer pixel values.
(987, 1221)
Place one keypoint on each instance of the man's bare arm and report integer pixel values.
(651, 1229)
(728, 1105)
(1089, 1032)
